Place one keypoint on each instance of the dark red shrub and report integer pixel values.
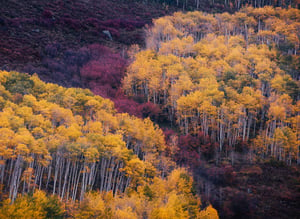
(125, 105)
(224, 175)
(103, 90)
(97, 51)
(150, 110)
(109, 68)
(189, 150)
(104, 72)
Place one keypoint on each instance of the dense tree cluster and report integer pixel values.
(45, 128)
(165, 198)
(172, 197)
(226, 78)
(275, 27)
(225, 4)
(70, 143)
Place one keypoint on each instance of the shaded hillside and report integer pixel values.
(50, 37)
(42, 36)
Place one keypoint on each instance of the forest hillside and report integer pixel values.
(75, 147)
(228, 86)
(149, 109)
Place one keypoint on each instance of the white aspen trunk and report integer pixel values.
(103, 170)
(37, 176)
(65, 179)
(77, 183)
(41, 178)
(49, 174)
(61, 172)
(56, 173)
(14, 178)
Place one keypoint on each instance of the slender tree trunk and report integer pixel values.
(65, 179)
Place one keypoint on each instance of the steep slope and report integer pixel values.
(229, 85)
(72, 144)
(35, 31)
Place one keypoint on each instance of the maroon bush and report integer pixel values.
(103, 90)
(109, 67)
(150, 110)
(96, 51)
(190, 141)
(224, 175)
(125, 105)
(207, 148)
(188, 153)
(104, 72)
(193, 148)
